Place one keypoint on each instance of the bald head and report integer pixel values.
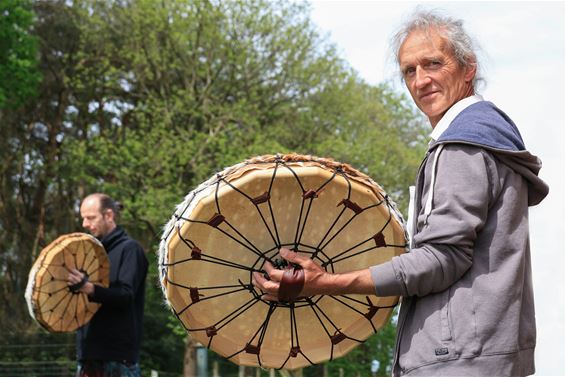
(99, 213)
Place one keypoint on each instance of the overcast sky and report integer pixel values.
(523, 56)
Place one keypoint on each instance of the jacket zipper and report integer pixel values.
(403, 313)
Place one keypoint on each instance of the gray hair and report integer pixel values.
(450, 29)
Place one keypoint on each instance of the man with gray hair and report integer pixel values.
(468, 307)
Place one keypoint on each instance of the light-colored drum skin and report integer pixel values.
(232, 223)
(50, 300)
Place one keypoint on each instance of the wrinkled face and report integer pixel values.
(432, 74)
(98, 223)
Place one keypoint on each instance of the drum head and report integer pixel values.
(230, 225)
(50, 300)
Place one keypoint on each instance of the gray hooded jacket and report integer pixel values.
(468, 307)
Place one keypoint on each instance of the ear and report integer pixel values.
(470, 72)
(109, 215)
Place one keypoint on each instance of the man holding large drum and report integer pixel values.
(466, 283)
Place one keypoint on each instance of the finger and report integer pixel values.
(72, 278)
(266, 286)
(72, 281)
(268, 297)
(274, 273)
(267, 266)
(76, 275)
(258, 279)
(293, 257)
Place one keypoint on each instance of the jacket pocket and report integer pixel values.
(427, 336)
(445, 323)
(463, 319)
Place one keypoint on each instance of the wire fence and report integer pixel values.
(37, 368)
(57, 369)
(46, 357)
(48, 360)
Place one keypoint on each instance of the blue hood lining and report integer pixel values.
(484, 124)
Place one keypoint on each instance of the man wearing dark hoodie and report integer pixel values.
(109, 345)
(468, 307)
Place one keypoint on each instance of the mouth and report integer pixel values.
(427, 96)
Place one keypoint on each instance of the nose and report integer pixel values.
(421, 77)
(85, 223)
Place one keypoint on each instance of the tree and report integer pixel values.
(144, 100)
(33, 198)
(19, 75)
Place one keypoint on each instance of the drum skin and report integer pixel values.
(227, 227)
(50, 300)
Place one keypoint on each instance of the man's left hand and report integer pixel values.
(75, 277)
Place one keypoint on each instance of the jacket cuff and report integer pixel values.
(95, 295)
(385, 280)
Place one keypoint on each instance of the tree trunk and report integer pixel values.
(293, 373)
(190, 360)
(244, 371)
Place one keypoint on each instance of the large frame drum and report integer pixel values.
(230, 225)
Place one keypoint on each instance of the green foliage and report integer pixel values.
(163, 344)
(19, 75)
(144, 100)
(358, 362)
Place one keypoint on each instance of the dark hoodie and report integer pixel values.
(468, 305)
(114, 333)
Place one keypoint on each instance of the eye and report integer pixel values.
(434, 64)
(409, 72)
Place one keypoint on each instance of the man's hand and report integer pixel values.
(75, 277)
(316, 279)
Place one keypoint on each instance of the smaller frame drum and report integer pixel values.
(50, 300)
